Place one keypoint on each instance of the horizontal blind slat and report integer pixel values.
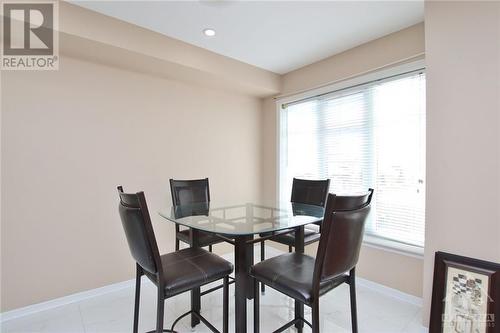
(372, 137)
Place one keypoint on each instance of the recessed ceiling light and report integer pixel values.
(209, 32)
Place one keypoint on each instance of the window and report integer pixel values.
(370, 135)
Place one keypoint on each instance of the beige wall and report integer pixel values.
(373, 266)
(103, 39)
(394, 270)
(463, 132)
(58, 129)
(69, 137)
(394, 48)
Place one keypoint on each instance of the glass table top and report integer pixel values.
(245, 219)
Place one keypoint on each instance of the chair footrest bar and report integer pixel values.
(206, 322)
(197, 315)
(307, 323)
(291, 323)
(208, 291)
(287, 325)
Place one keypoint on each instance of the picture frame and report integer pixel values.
(465, 295)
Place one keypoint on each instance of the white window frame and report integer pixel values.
(369, 240)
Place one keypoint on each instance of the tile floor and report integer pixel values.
(113, 312)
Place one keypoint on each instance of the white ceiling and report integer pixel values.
(279, 36)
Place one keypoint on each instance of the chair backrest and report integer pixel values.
(352, 202)
(310, 192)
(199, 209)
(139, 230)
(185, 192)
(341, 235)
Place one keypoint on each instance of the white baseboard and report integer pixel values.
(57, 302)
(391, 292)
(380, 288)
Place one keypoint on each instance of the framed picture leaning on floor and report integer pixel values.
(465, 295)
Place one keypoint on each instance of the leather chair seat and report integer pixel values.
(205, 238)
(292, 275)
(311, 235)
(190, 268)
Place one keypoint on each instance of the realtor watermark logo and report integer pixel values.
(30, 39)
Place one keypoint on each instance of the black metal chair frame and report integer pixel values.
(176, 201)
(294, 198)
(159, 279)
(350, 279)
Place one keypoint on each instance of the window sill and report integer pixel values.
(394, 247)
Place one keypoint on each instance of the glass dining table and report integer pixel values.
(243, 226)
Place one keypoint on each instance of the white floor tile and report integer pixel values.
(415, 326)
(66, 319)
(113, 312)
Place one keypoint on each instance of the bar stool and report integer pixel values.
(305, 278)
(172, 273)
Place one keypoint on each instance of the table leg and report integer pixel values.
(243, 255)
(299, 248)
(250, 285)
(195, 293)
(249, 253)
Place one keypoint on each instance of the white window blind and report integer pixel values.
(372, 135)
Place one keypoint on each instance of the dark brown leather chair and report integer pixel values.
(185, 192)
(309, 192)
(172, 273)
(305, 278)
